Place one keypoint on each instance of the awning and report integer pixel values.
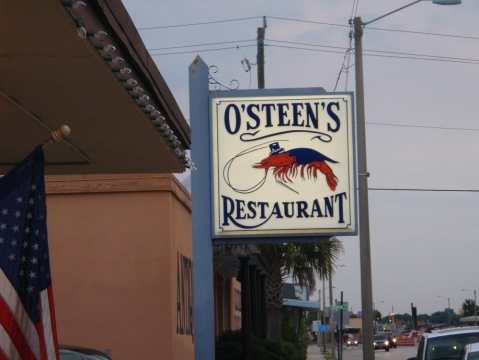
(306, 305)
(84, 64)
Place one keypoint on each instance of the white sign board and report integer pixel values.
(283, 165)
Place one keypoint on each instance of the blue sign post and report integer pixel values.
(203, 300)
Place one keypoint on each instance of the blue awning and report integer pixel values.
(307, 305)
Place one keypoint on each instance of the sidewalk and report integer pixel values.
(314, 353)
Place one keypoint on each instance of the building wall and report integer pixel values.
(114, 243)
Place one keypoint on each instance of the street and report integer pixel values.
(401, 353)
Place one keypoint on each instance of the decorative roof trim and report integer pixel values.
(91, 29)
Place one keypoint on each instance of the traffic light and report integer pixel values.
(414, 316)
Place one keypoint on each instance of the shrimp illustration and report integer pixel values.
(287, 164)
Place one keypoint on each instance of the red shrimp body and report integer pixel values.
(287, 164)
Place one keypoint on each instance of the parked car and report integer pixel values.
(81, 353)
(471, 351)
(446, 344)
(381, 341)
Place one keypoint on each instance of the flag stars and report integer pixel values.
(36, 247)
(3, 226)
(23, 259)
(30, 289)
(27, 230)
(32, 274)
(31, 201)
(2, 240)
(34, 187)
(14, 242)
(19, 199)
(12, 257)
(16, 228)
(4, 211)
(37, 232)
(29, 215)
(34, 260)
(25, 244)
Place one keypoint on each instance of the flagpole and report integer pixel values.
(57, 135)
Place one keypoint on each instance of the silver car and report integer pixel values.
(80, 353)
(471, 352)
(446, 344)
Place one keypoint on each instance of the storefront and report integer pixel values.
(119, 222)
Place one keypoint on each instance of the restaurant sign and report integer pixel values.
(283, 165)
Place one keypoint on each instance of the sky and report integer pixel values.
(424, 244)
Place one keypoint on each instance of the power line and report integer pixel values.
(421, 126)
(200, 44)
(203, 50)
(383, 55)
(222, 21)
(415, 32)
(390, 52)
(406, 31)
(372, 54)
(346, 49)
(305, 21)
(454, 190)
(308, 21)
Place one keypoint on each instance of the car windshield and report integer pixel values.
(379, 337)
(449, 347)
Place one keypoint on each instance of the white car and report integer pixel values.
(446, 344)
(471, 351)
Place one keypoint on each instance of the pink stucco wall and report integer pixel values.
(114, 241)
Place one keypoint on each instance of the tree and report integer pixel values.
(301, 262)
(377, 315)
(468, 307)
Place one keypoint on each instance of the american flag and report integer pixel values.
(27, 315)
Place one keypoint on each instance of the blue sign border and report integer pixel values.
(268, 238)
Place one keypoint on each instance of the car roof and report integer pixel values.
(84, 350)
(452, 331)
(474, 347)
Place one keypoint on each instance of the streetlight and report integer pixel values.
(475, 303)
(364, 243)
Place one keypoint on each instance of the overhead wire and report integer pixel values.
(221, 21)
(462, 129)
(384, 54)
(203, 50)
(454, 190)
(200, 44)
(309, 45)
(375, 28)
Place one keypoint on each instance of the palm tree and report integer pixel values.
(301, 262)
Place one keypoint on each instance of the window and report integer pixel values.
(184, 296)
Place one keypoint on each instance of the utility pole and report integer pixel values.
(260, 54)
(340, 337)
(475, 307)
(323, 334)
(320, 317)
(364, 242)
(331, 331)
